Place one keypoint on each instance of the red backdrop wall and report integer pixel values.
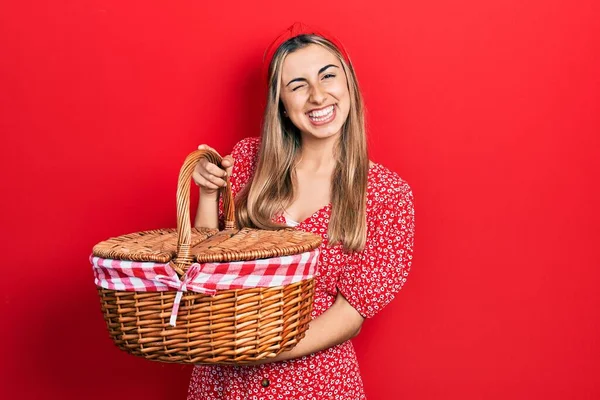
(489, 109)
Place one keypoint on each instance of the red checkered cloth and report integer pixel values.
(203, 278)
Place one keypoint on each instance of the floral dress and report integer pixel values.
(368, 280)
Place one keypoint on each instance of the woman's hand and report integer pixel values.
(210, 177)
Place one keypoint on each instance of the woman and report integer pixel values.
(312, 155)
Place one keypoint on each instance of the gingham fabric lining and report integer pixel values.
(203, 278)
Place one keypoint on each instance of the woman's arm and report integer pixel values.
(336, 325)
(207, 215)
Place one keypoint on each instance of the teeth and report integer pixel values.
(321, 115)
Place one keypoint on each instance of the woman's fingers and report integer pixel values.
(228, 162)
(215, 170)
(228, 159)
(215, 180)
(205, 183)
(210, 176)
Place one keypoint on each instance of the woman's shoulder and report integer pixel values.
(245, 156)
(386, 188)
(246, 148)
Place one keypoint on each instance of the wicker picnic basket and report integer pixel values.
(236, 326)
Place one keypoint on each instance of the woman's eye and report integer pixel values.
(297, 87)
(329, 76)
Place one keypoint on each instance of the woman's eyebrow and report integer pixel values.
(320, 72)
(327, 66)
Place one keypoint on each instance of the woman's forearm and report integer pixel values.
(207, 215)
(336, 325)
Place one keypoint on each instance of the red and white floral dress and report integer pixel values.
(368, 280)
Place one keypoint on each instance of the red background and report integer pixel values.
(489, 109)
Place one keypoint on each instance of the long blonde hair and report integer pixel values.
(271, 187)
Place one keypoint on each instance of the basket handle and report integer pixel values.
(183, 259)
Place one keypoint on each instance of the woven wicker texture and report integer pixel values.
(208, 245)
(231, 327)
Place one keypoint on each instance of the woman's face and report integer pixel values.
(314, 91)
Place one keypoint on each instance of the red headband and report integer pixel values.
(298, 29)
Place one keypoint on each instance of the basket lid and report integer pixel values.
(208, 245)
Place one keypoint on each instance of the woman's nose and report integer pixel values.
(317, 94)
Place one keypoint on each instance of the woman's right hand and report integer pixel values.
(210, 177)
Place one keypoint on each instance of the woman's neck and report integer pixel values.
(317, 154)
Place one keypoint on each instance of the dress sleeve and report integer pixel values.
(374, 275)
(245, 154)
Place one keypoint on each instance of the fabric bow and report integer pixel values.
(186, 282)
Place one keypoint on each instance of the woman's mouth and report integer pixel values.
(322, 116)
